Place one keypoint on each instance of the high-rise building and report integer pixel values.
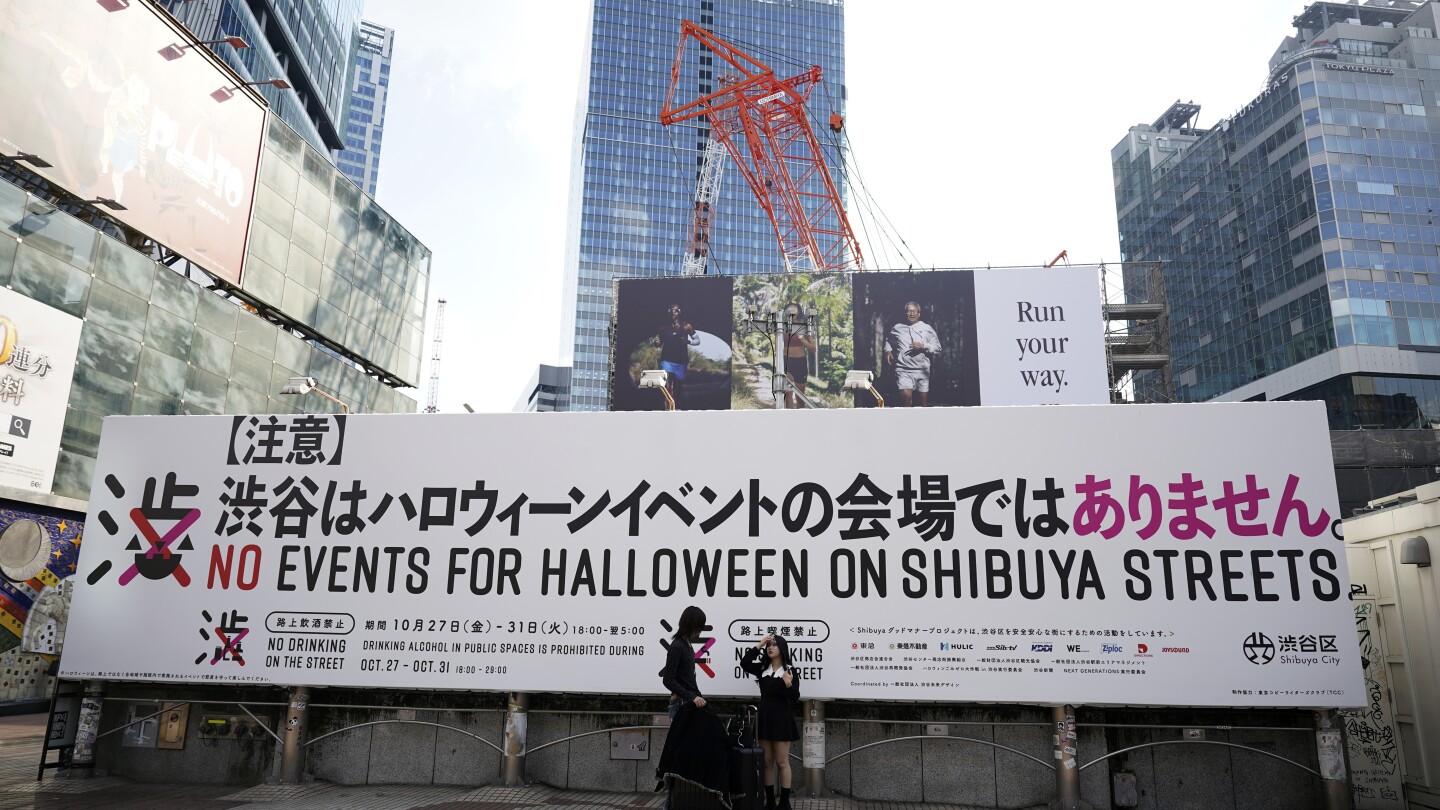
(309, 43)
(360, 159)
(547, 391)
(633, 181)
(207, 260)
(1297, 240)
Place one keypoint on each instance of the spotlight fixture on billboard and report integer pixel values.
(33, 160)
(658, 379)
(172, 51)
(860, 380)
(300, 386)
(113, 205)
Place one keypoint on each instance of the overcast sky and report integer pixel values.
(982, 131)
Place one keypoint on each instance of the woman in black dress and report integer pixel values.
(696, 749)
(770, 663)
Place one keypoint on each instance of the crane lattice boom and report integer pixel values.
(707, 194)
(432, 400)
(761, 121)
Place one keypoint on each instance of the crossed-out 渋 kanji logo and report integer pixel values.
(228, 634)
(161, 522)
(702, 655)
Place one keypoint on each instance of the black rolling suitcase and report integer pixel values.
(747, 763)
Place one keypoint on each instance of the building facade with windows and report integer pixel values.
(633, 181)
(280, 267)
(1298, 239)
(365, 125)
(332, 287)
(310, 44)
(547, 391)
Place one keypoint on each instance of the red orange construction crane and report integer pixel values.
(761, 121)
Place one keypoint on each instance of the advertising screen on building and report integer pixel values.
(1029, 336)
(116, 100)
(38, 345)
(1026, 554)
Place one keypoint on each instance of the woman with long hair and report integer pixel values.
(696, 751)
(770, 663)
(679, 673)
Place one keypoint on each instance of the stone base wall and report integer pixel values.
(431, 738)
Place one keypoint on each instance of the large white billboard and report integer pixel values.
(114, 100)
(1152, 555)
(38, 345)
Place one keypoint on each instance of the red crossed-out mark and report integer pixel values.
(702, 661)
(232, 648)
(160, 546)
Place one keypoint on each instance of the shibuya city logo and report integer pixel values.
(1112, 648)
(1258, 649)
(161, 522)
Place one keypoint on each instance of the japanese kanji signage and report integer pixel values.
(38, 345)
(1156, 555)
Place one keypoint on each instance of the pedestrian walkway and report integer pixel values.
(20, 740)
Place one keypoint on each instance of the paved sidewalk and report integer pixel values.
(20, 740)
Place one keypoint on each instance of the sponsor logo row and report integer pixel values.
(1140, 650)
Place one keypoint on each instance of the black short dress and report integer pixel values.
(777, 720)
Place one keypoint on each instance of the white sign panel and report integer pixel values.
(1022, 555)
(1040, 336)
(38, 345)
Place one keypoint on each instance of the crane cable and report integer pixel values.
(852, 166)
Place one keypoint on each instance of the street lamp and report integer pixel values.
(658, 378)
(300, 386)
(859, 380)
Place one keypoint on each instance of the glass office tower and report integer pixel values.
(633, 181)
(360, 159)
(1297, 239)
(309, 43)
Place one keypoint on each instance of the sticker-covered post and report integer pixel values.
(292, 757)
(1330, 752)
(516, 722)
(1067, 770)
(813, 748)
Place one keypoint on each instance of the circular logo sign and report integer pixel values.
(1258, 649)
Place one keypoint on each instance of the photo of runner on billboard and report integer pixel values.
(678, 325)
(916, 333)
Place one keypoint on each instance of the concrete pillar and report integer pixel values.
(812, 749)
(1067, 769)
(82, 757)
(516, 725)
(292, 755)
(1330, 751)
